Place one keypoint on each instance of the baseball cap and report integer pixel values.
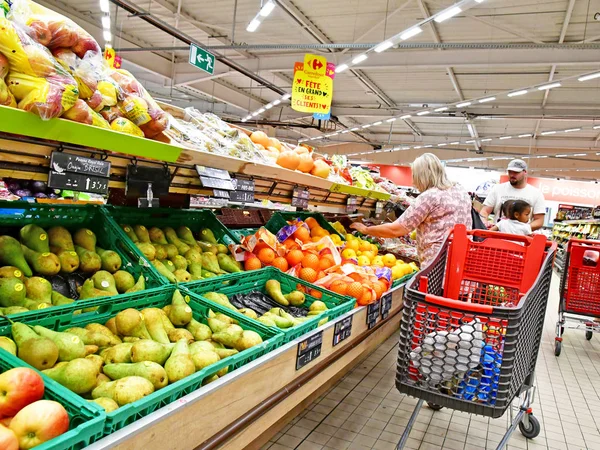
(517, 165)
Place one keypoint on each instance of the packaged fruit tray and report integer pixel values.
(86, 420)
(243, 283)
(71, 226)
(280, 219)
(150, 230)
(159, 298)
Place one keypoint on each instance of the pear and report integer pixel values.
(177, 334)
(195, 269)
(85, 238)
(37, 351)
(249, 313)
(148, 250)
(148, 350)
(90, 337)
(96, 359)
(111, 325)
(101, 378)
(169, 265)
(140, 285)
(11, 272)
(154, 325)
(161, 252)
(225, 318)
(91, 349)
(210, 262)
(210, 380)
(248, 340)
(157, 236)
(78, 375)
(98, 328)
(89, 262)
(179, 262)
(229, 336)
(186, 235)
(172, 238)
(14, 310)
(38, 288)
(166, 322)
(162, 269)
(69, 260)
(201, 346)
(60, 240)
(58, 299)
(204, 359)
(142, 233)
(180, 363)
(207, 235)
(108, 404)
(130, 233)
(131, 339)
(130, 322)
(69, 346)
(8, 344)
(124, 281)
(35, 238)
(125, 390)
(216, 325)
(88, 291)
(12, 292)
(220, 299)
(207, 247)
(180, 313)
(193, 255)
(172, 251)
(225, 352)
(200, 331)
(151, 371)
(120, 353)
(111, 261)
(182, 276)
(104, 281)
(46, 264)
(11, 253)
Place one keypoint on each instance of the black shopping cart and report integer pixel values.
(472, 325)
(579, 301)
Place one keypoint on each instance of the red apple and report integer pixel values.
(6, 421)
(85, 44)
(18, 388)
(62, 34)
(8, 439)
(39, 32)
(39, 422)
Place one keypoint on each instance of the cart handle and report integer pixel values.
(498, 235)
(457, 304)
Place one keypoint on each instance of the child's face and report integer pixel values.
(524, 217)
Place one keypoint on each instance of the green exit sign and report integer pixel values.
(202, 59)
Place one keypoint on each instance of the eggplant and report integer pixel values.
(75, 281)
(13, 185)
(38, 186)
(261, 303)
(40, 195)
(60, 285)
(23, 193)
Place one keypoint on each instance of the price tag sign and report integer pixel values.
(309, 350)
(342, 330)
(300, 198)
(372, 314)
(351, 205)
(386, 305)
(241, 196)
(61, 162)
(78, 182)
(221, 194)
(243, 185)
(212, 172)
(216, 183)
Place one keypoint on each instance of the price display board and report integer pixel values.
(300, 198)
(372, 314)
(342, 330)
(78, 182)
(243, 191)
(77, 173)
(386, 305)
(309, 350)
(351, 205)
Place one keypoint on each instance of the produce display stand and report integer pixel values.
(244, 409)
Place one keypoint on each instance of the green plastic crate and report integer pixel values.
(243, 232)
(244, 282)
(402, 280)
(195, 219)
(279, 219)
(158, 298)
(86, 420)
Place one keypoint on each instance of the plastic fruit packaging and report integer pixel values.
(82, 113)
(126, 126)
(6, 98)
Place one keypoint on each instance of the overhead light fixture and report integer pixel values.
(377, 123)
(345, 131)
(463, 104)
(479, 1)
(317, 138)
(359, 58)
(470, 142)
(454, 143)
(505, 137)
(488, 99)
(471, 129)
(104, 6)
(269, 106)
(525, 135)
(367, 125)
(546, 133)
(589, 77)
(442, 145)
(580, 154)
(428, 146)
(410, 33)
(546, 87)
(570, 130)
(405, 148)
(407, 116)
(423, 113)
(276, 102)
(341, 68)
(106, 22)
(384, 46)
(253, 25)
(542, 156)
(595, 127)
(486, 140)
(517, 93)
(561, 156)
(354, 129)
(417, 147)
(107, 35)
(254, 114)
(267, 8)
(443, 108)
(391, 119)
(245, 120)
(448, 13)
(286, 96)
(261, 110)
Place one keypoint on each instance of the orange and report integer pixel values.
(315, 238)
(310, 262)
(365, 246)
(290, 244)
(352, 245)
(355, 290)
(259, 247)
(380, 288)
(316, 294)
(281, 263)
(366, 297)
(252, 263)
(308, 274)
(374, 249)
(325, 263)
(294, 257)
(303, 234)
(301, 288)
(339, 287)
(318, 232)
(311, 222)
(321, 274)
(266, 255)
(356, 277)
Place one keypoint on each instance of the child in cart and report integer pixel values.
(519, 216)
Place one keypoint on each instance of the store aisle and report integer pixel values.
(365, 411)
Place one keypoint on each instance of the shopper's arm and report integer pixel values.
(485, 211)
(538, 221)
(387, 230)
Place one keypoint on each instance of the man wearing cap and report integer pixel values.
(516, 189)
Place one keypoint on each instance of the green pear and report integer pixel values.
(210, 380)
(69, 346)
(229, 336)
(38, 289)
(85, 238)
(108, 404)
(11, 272)
(248, 340)
(225, 352)
(151, 371)
(120, 353)
(186, 235)
(37, 351)
(157, 236)
(97, 360)
(177, 334)
(12, 292)
(179, 262)
(249, 313)
(89, 291)
(216, 325)
(89, 262)
(193, 255)
(124, 390)
(147, 249)
(225, 318)
(161, 252)
(8, 344)
(154, 325)
(11, 253)
(111, 261)
(201, 346)
(14, 310)
(195, 269)
(123, 281)
(207, 273)
(207, 235)
(172, 238)
(227, 263)
(34, 305)
(222, 249)
(169, 265)
(180, 313)
(35, 238)
(180, 364)
(130, 233)
(161, 268)
(140, 285)
(172, 251)
(148, 350)
(78, 375)
(60, 239)
(90, 337)
(211, 263)
(59, 300)
(182, 276)
(204, 359)
(111, 325)
(207, 247)
(69, 261)
(98, 328)
(200, 331)
(46, 264)
(142, 233)
(104, 281)
(166, 322)
(130, 322)
(220, 299)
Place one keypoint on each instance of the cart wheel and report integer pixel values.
(557, 348)
(532, 430)
(588, 334)
(434, 406)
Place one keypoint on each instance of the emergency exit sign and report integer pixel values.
(202, 59)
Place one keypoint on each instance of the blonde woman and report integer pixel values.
(441, 205)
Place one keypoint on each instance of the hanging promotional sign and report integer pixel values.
(113, 60)
(312, 90)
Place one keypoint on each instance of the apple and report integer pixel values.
(85, 44)
(62, 34)
(39, 32)
(18, 388)
(39, 422)
(8, 439)
(80, 112)
(6, 421)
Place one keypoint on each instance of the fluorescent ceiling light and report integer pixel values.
(253, 25)
(570, 130)
(525, 135)
(107, 35)
(417, 147)
(454, 143)
(345, 131)
(359, 58)
(269, 106)
(384, 46)
(428, 146)
(471, 129)
(244, 120)
(286, 96)
(546, 133)
(445, 15)
(391, 119)
(442, 145)
(106, 22)
(479, 1)
(317, 138)
(367, 125)
(505, 137)
(561, 156)
(486, 140)
(267, 8)
(545, 87)
(517, 93)
(423, 113)
(460, 105)
(341, 68)
(276, 102)
(405, 117)
(589, 77)
(488, 99)
(470, 142)
(443, 108)
(354, 129)
(580, 154)
(104, 6)
(377, 123)
(405, 148)
(595, 127)
(410, 33)
(542, 156)
(254, 114)
(261, 110)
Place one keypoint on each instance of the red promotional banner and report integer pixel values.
(578, 192)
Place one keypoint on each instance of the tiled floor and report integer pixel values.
(365, 411)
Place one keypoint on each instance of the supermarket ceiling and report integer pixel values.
(456, 77)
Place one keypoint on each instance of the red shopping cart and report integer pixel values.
(579, 290)
(472, 324)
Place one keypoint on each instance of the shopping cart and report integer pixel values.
(579, 290)
(472, 324)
